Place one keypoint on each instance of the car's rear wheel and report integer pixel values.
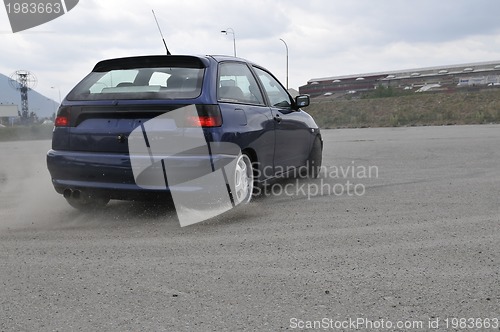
(243, 180)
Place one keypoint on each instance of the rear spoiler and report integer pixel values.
(152, 61)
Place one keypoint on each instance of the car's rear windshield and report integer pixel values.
(140, 83)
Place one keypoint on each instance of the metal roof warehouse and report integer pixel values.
(443, 77)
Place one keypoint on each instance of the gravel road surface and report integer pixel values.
(401, 230)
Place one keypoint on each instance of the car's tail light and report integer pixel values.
(61, 121)
(62, 118)
(208, 116)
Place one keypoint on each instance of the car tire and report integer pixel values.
(313, 164)
(243, 180)
(88, 204)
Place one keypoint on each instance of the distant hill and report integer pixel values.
(43, 106)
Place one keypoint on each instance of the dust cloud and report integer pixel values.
(26, 193)
(28, 199)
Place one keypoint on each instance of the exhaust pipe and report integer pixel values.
(70, 193)
(67, 193)
(77, 194)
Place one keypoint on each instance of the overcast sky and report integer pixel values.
(325, 37)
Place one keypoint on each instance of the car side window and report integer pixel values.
(278, 97)
(237, 84)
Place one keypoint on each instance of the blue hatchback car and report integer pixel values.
(133, 118)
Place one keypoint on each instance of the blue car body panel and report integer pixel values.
(92, 153)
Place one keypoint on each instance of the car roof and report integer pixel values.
(221, 58)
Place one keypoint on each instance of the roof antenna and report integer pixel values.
(161, 34)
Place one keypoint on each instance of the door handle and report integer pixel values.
(277, 118)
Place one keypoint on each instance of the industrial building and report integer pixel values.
(481, 74)
(8, 114)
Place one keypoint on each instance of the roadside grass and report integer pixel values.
(18, 133)
(417, 109)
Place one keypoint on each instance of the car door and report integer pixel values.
(292, 133)
(248, 122)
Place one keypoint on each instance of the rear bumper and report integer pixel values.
(111, 174)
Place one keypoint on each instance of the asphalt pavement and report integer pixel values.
(400, 233)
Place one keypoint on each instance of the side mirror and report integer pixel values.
(302, 101)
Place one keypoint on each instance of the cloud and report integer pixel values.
(325, 38)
